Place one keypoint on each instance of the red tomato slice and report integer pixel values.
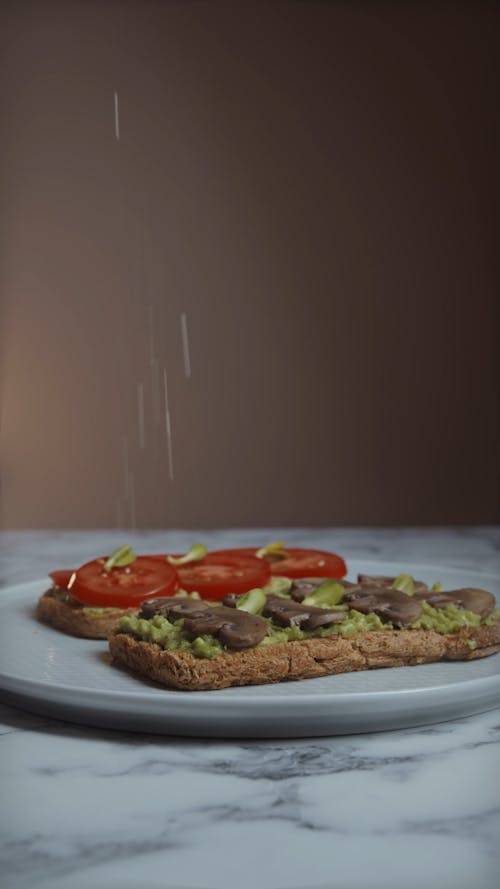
(144, 578)
(222, 572)
(309, 563)
(302, 562)
(60, 579)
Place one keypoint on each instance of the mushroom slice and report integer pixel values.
(385, 582)
(235, 628)
(291, 614)
(172, 606)
(390, 605)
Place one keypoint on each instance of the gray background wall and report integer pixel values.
(313, 186)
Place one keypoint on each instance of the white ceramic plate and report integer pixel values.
(48, 672)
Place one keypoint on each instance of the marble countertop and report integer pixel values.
(412, 808)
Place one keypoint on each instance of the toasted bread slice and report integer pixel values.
(301, 660)
(78, 620)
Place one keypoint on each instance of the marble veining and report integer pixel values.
(413, 808)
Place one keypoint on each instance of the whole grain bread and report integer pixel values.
(78, 621)
(306, 659)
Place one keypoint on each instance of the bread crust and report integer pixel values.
(306, 659)
(76, 621)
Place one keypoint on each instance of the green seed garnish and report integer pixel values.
(275, 549)
(326, 595)
(404, 583)
(252, 602)
(197, 552)
(120, 557)
(278, 586)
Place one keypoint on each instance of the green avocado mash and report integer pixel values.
(170, 635)
(445, 620)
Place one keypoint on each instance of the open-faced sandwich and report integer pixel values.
(296, 627)
(89, 601)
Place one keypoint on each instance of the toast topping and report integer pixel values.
(172, 606)
(384, 582)
(330, 608)
(479, 601)
(291, 614)
(304, 586)
(391, 605)
(234, 628)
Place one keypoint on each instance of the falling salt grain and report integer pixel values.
(185, 345)
(117, 118)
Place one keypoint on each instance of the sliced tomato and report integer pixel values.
(301, 562)
(222, 572)
(309, 563)
(144, 578)
(60, 579)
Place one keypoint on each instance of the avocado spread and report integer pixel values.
(169, 634)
